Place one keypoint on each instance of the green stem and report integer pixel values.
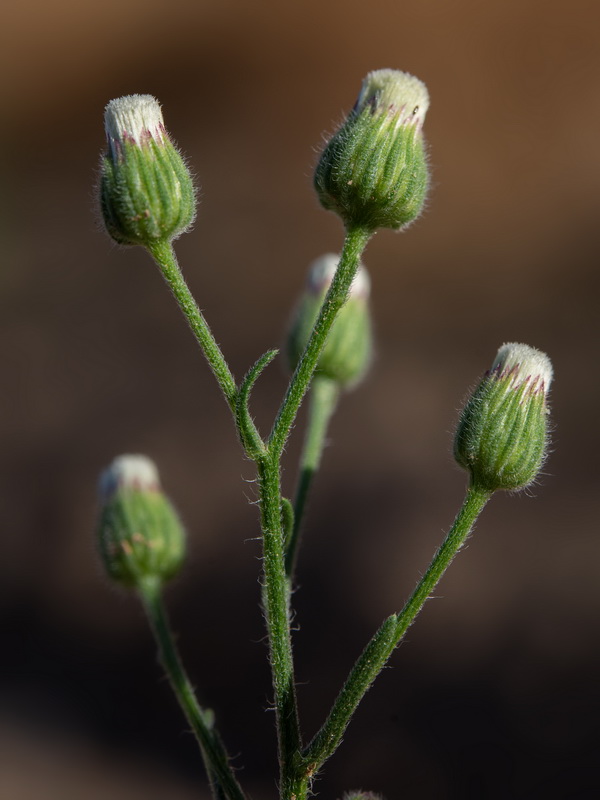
(294, 778)
(354, 244)
(474, 503)
(164, 255)
(276, 601)
(223, 783)
(389, 635)
(276, 591)
(324, 395)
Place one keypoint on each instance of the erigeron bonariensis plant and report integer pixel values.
(373, 174)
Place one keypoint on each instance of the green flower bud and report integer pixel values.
(347, 352)
(146, 191)
(373, 172)
(502, 434)
(139, 532)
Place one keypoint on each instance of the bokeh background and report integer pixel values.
(494, 693)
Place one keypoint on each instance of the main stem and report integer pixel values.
(216, 762)
(276, 601)
(293, 778)
(164, 255)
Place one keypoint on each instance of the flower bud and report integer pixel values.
(502, 434)
(146, 190)
(373, 171)
(347, 352)
(139, 532)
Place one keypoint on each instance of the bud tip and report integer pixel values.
(323, 269)
(136, 117)
(524, 363)
(128, 472)
(396, 92)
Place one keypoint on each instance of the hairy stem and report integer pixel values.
(223, 783)
(389, 635)
(164, 255)
(276, 591)
(276, 601)
(354, 244)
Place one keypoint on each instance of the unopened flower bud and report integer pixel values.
(502, 434)
(347, 352)
(140, 534)
(373, 171)
(146, 191)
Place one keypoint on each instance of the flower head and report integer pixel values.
(139, 533)
(373, 171)
(146, 192)
(502, 434)
(346, 355)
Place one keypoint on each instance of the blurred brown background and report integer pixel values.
(495, 692)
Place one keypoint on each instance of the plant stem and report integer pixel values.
(389, 635)
(165, 257)
(294, 778)
(474, 503)
(276, 598)
(354, 244)
(216, 762)
(324, 395)
(276, 601)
